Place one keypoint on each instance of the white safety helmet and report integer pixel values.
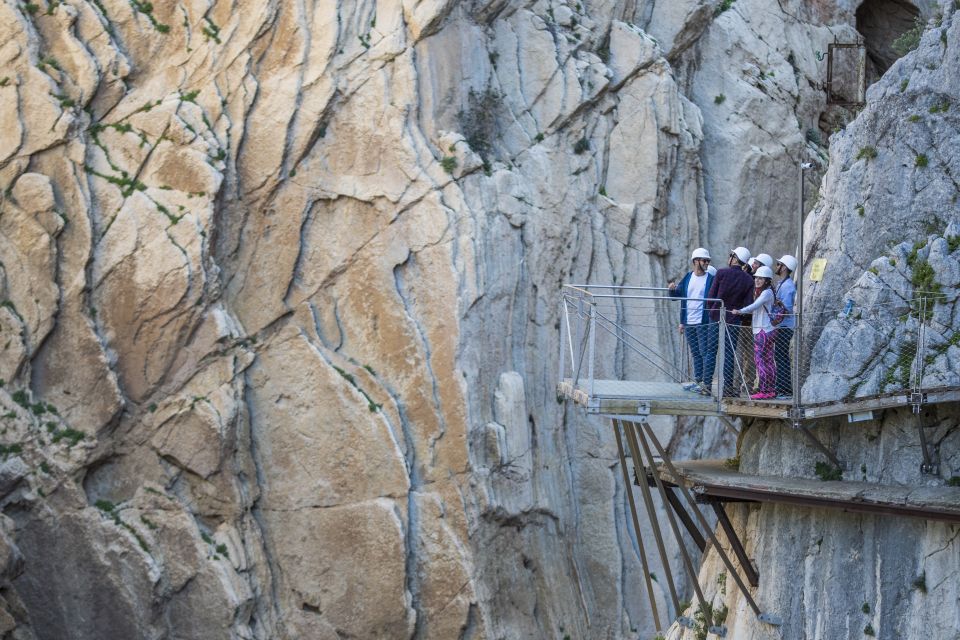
(700, 252)
(763, 272)
(789, 262)
(712, 270)
(742, 253)
(765, 259)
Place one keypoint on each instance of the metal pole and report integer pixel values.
(652, 515)
(563, 336)
(798, 303)
(687, 562)
(628, 487)
(735, 543)
(721, 353)
(677, 480)
(593, 340)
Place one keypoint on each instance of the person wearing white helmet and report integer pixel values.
(734, 287)
(745, 344)
(786, 295)
(763, 337)
(695, 320)
(761, 260)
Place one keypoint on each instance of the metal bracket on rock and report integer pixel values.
(771, 619)
(685, 622)
(917, 400)
(796, 416)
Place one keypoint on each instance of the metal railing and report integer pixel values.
(615, 333)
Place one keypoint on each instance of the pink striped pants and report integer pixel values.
(763, 356)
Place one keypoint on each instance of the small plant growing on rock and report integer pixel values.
(720, 99)
(723, 6)
(922, 160)
(732, 463)
(212, 32)
(7, 450)
(954, 481)
(603, 190)
(868, 630)
(860, 210)
(867, 153)
(581, 146)
(904, 84)
(827, 472)
(910, 39)
(920, 583)
(478, 121)
(449, 163)
(914, 118)
(865, 608)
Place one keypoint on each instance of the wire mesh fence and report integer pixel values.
(859, 349)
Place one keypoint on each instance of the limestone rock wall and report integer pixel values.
(887, 224)
(279, 297)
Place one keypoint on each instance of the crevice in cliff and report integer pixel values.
(404, 296)
(273, 571)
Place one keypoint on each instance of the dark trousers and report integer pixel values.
(781, 353)
(730, 379)
(702, 339)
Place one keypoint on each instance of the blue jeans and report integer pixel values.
(702, 339)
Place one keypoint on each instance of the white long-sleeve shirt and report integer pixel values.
(761, 308)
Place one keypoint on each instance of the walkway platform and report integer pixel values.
(712, 481)
(631, 398)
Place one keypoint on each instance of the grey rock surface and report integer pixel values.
(279, 294)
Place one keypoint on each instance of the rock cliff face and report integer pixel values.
(888, 224)
(279, 296)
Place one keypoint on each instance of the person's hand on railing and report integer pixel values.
(735, 312)
(672, 286)
(680, 328)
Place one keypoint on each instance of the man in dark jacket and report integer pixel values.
(695, 321)
(734, 287)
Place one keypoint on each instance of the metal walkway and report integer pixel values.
(619, 361)
(633, 397)
(711, 480)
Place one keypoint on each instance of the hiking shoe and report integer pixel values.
(690, 386)
(760, 396)
(784, 396)
(704, 390)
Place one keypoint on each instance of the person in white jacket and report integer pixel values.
(763, 332)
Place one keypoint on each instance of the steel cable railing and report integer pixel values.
(903, 344)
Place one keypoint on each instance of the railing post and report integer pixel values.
(593, 339)
(721, 356)
(563, 336)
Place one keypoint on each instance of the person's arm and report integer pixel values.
(679, 290)
(765, 298)
(789, 298)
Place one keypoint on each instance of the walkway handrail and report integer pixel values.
(637, 333)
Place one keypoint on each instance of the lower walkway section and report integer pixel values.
(712, 481)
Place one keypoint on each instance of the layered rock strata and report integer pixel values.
(279, 289)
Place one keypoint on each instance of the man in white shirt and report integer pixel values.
(695, 321)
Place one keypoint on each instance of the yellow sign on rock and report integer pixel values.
(817, 268)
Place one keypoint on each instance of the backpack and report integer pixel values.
(779, 313)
